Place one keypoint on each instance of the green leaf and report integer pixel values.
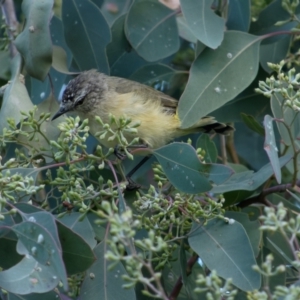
(151, 30)
(239, 15)
(251, 228)
(274, 52)
(15, 97)
(249, 181)
(253, 124)
(156, 75)
(113, 9)
(184, 267)
(271, 148)
(291, 204)
(183, 168)
(248, 102)
(226, 249)
(278, 244)
(5, 65)
(29, 276)
(269, 16)
(59, 60)
(288, 116)
(40, 244)
(32, 296)
(46, 220)
(211, 153)
(8, 243)
(77, 254)
(119, 46)
(184, 30)
(87, 34)
(228, 71)
(101, 283)
(123, 60)
(34, 43)
(207, 27)
(81, 227)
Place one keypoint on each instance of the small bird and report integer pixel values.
(93, 94)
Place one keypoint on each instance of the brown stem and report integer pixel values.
(261, 197)
(231, 149)
(178, 285)
(8, 11)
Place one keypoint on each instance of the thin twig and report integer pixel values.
(261, 197)
(9, 13)
(178, 285)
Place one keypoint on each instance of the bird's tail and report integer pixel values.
(211, 125)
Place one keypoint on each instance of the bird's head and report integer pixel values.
(80, 93)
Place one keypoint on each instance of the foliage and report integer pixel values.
(214, 217)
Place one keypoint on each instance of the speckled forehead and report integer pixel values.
(68, 96)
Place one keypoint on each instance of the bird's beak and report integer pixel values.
(60, 112)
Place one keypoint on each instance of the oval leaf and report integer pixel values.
(217, 76)
(41, 245)
(271, 148)
(206, 26)
(105, 284)
(34, 43)
(151, 30)
(15, 97)
(87, 34)
(28, 277)
(183, 168)
(226, 249)
(239, 15)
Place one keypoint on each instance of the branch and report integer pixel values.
(8, 11)
(178, 285)
(261, 197)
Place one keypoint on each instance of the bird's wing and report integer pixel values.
(124, 86)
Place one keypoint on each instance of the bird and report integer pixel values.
(92, 94)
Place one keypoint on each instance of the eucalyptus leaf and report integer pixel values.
(156, 36)
(253, 124)
(28, 277)
(251, 228)
(226, 249)
(77, 254)
(271, 148)
(102, 283)
(239, 15)
(211, 153)
(34, 43)
(184, 30)
(274, 52)
(43, 248)
(213, 73)
(113, 9)
(183, 168)
(87, 34)
(248, 180)
(15, 97)
(206, 26)
(158, 76)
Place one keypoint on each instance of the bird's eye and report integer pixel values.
(80, 102)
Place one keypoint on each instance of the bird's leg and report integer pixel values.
(118, 150)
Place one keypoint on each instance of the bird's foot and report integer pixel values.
(132, 186)
(119, 152)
